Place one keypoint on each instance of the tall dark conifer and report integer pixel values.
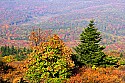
(12, 50)
(89, 52)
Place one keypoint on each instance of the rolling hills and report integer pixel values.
(66, 18)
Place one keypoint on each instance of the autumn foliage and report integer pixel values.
(37, 36)
(12, 72)
(98, 75)
(50, 62)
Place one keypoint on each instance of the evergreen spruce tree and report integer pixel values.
(5, 50)
(121, 55)
(8, 51)
(24, 49)
(89, 52)
(2, 50)
(12, 50)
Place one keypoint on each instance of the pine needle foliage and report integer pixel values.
(89, 52)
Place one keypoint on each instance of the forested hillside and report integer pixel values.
(62, 41)
(49, 60)
(67, 18)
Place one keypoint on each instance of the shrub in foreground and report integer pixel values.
(98, 75)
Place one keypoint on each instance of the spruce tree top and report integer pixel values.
(90, 34)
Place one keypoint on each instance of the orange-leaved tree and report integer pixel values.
(38, 35)
(50, 62)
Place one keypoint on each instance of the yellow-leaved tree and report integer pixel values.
(50, 62)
